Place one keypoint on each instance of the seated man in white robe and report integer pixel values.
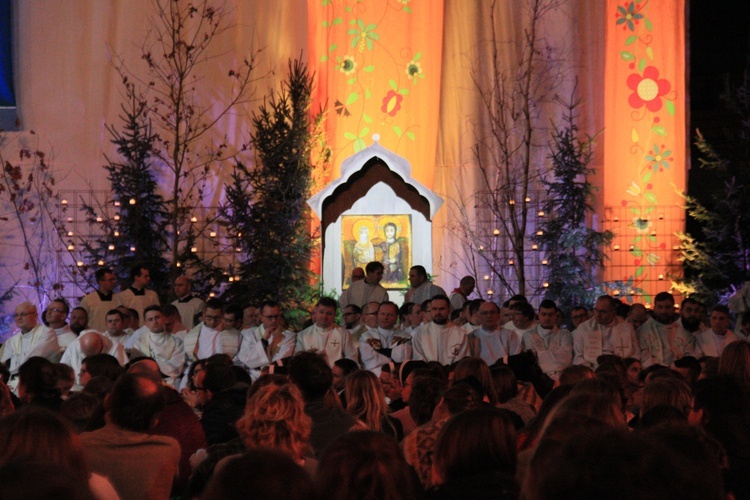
(325, 337)
(154, 342)
(88, 344)
(385, 344)
(116, 328)
(414, 317)
(661, 340)
(437, 340)
(174, 324)
(552, 345)
(473, 317)
(352, 316)
(211, 337)
(32, 339)
(605, 333)
(137, 296)
(367, 290)
(712, 342)
(275, 342)
(522, 319)
(370, 315)
(56, 315)
(490, 341)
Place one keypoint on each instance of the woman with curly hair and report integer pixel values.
(275, 418)
(365, 401)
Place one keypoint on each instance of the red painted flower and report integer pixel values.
(391, 103)
(647, 89)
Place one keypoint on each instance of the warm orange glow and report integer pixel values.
(378, 65)
(644, 145)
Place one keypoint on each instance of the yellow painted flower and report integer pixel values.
(634, 189)
(348, 65)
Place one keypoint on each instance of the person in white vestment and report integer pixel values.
(384, 344)
(367, 290)
(99, 302)
(188, 304)
(250, 316)
(154, 342)
(266, 343)
(490, 341)
(137, 296)
(522, 319)
(605, 333)
(460, 295)
(661, 339)
(56, 315)
(116, 328)
(437, 340)
(211, 336)
(421, 288)
(352, 316)
(712, 342)
(414, 317)
(474, 317)
(552, 345)
(32, 339)
(88, 344)
(370, 315)
(325, 337)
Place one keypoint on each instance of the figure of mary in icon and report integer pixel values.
(363, 251)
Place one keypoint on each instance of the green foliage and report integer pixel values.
(266, 203)
(133, 220)
(716, 257)
(573, 249)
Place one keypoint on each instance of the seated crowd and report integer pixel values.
(442, 397)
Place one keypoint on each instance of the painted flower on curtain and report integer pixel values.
(657, 158)
(648, 89)
(391, 103)
(414, 69)
(347, 66)
(628, 15)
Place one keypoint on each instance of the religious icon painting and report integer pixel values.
(383, 238)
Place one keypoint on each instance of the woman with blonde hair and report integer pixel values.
(275, 418)
(365, 401)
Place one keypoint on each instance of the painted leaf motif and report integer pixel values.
(650, 198)
(639, 271)
(670, 107)
(650, 53)
(352, 98)
(634, 135)
(626, 56)
(630, 39)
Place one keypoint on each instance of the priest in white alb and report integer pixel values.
(325, 337)
(552, 345)
(605, 333)
(437, 340)
(154, 342)
(385, 344)
(490, 341)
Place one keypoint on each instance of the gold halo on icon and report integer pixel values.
(360, 224)
(385, 220)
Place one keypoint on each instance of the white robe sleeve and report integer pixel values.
(47, 346)
(251, 354)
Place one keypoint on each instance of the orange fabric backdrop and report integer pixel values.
(377, 66)
(644, 145)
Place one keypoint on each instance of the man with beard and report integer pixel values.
(690, 324)
(352, 316)
(79, 320)
(660, 338)
(436, 341)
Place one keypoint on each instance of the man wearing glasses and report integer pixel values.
(276, 342)
(33, 339)
(211, 336)
(99, 302)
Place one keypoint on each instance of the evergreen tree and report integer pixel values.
(266, 203)
(717, 255)
(573, 249)
(132, 221)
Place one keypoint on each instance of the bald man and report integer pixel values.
(32, 339)
(88, 344)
